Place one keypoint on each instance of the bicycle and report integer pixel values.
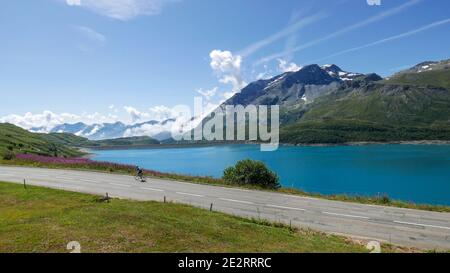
(140, 178)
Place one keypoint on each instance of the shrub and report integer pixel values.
(251, 172)
(385, 199)
(8, 156)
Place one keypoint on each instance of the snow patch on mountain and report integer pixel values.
(336, 72)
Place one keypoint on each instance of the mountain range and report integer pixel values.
(102, 131)
(325, 104)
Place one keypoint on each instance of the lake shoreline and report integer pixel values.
(90, 150)
(399, 170)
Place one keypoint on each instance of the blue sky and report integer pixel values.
(105, 60)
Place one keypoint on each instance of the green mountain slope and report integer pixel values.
(17, 140)
(77, 141)
(435, 74)
(438, 78)
(68, 139)
(396, 105)
(127, 141)
(373, 111)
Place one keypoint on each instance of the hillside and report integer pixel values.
(126, 141)
(434, 74)
(68, 139)
(17, 140)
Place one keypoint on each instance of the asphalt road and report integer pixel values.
(399, 226)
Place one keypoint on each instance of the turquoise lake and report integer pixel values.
(416, 173)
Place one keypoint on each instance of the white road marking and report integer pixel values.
(345, 215)
(236, 201)
(281, 207)
(190, 194)
(300, 197)
(120, 185)
(421, 225)
(236, 189)
(151, 189)
(89, 181)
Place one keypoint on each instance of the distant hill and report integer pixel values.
(127, 141)
(82, 142)
(324, 104)
(17, 140)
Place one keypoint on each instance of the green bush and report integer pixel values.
(251, 172)
(8, 155)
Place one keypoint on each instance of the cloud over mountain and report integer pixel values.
(228, 68)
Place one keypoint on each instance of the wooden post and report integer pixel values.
(164, 199)
(211, 207)
(24, 184)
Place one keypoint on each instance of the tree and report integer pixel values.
(251, 172)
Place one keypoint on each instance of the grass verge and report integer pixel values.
(106, 167)
(39, 219)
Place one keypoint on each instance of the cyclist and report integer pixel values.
(139, 173)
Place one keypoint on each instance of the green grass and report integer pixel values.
(45, 220)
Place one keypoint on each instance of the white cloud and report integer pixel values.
(170, 119)
(228, 95)
(90, 34)
(148, 129)
(228, 68)
(284, 66)
(389, 39)
(134, 114)
(263, 75)
(340, 32)
(47, 119)
(292, 28)
(122, 9)
(208, 94)
(162, 113)
(157, 113)
(73, 2)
